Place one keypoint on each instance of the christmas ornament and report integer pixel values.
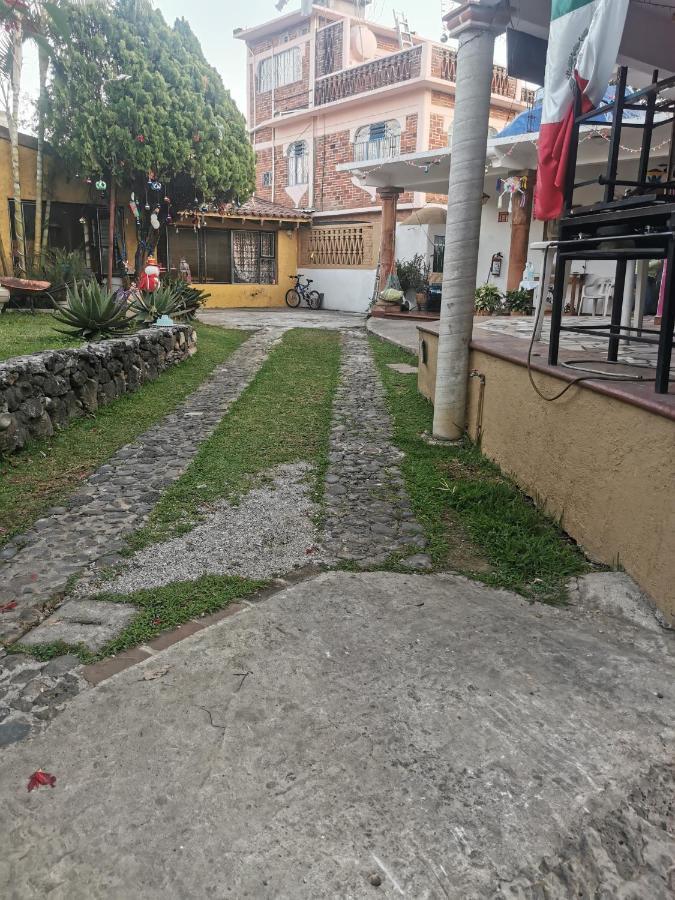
(140, 138)
(133, 206)
(154, 218)
(101, 185)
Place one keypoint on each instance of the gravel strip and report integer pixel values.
(117, 499)
(270, 532)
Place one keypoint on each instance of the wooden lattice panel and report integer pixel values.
(337, 247)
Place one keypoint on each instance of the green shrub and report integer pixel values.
(519, 301)
(488, 298)
(91, 313)
(413, 274)
(62, 269)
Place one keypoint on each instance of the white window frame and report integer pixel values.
(297, 157)
(279, 69)
(380, 140)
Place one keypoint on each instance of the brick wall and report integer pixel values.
(390, 44)
(438, 131)
(263, 164)
(286, 98)
(335, 190)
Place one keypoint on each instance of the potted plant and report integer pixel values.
(412, 275)
(519, 303)
(488, 300)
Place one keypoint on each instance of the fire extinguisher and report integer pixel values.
(496, 265)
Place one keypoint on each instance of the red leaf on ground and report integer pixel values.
(8, 607)
(156, 621)
(41, 778)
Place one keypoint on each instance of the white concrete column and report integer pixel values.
(628, 300)
(465, 192)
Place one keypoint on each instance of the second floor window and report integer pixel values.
(278, 70)
(297, 163)
(377, 141)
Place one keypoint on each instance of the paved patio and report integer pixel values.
(404, 334)
(283, 317)
(361, 735)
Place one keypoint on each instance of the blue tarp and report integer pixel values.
(529, 122)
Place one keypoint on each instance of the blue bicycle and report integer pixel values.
(302, 292)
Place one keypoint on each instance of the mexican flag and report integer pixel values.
(583, 45)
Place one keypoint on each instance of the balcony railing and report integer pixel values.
(378, 73)
(444, 66)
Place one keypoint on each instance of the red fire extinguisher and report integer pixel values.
(496, 265)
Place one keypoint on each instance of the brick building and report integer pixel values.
(326, 86)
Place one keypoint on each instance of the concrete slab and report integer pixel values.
(89, 622)
(282, 317)
(424, 731)
(403, 368)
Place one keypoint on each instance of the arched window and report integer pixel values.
(377, 141)
(297, 155)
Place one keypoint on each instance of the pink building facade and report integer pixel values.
(326, 86)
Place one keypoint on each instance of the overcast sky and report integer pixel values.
(213, 21)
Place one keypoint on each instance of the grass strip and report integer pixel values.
(46, 472)
(283, 417)
(526, 551)
(22, 333)
(161, 609)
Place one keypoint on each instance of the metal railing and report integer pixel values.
(370, 76)
(378, 149)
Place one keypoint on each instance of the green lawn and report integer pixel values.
(46, 472)
(476, 520)
(161, 609)
(284, 416)
(22, 332)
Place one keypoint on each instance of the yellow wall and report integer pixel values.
(57, 187)
(225, 296)
(601, 467)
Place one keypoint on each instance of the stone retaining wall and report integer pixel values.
(45, 391)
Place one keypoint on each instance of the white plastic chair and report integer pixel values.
(598, 291)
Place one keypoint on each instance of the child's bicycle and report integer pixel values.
(302, 292)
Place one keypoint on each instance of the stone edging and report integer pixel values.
(44, 391)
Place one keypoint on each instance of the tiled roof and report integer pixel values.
(255, 208)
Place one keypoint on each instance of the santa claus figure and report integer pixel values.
(149, 280)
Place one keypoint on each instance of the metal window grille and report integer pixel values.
(297, 163)
(267, 179)
(279, 70)
(380, 140)
(254, 257)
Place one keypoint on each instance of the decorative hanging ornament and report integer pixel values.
(140, 138)
(88, 180)
(154, 218)
(101, 185)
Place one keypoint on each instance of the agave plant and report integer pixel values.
(92, 313)
(164, 301)
(192, 298)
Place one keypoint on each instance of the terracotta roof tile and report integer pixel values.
(255, 208)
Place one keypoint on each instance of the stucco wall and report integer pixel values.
(349, 290)
(225, 296)
(604, 468)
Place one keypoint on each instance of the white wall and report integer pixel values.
(349, 290)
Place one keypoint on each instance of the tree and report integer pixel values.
(36, 21)
(133, 102)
